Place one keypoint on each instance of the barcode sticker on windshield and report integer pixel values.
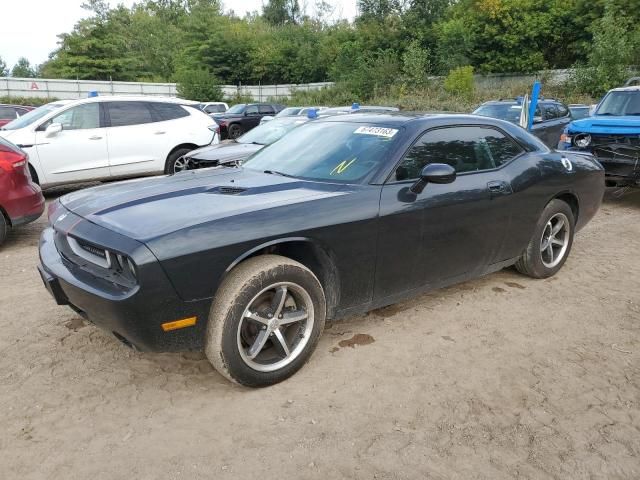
(378, 131)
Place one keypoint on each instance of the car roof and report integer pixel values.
(630, 88)
(513, 101)
(130, 98)
(397, 119)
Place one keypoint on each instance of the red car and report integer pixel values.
(8, 113)
(21, 200)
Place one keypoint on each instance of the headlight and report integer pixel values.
(582, 140)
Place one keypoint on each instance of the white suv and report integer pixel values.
(104, 138)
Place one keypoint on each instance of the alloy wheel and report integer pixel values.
(180, 164)
(275, 327)
(555, 240)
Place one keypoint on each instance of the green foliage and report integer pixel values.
(198, 85)
(23, 69)
(612, 52)
(4, 70)
(30, 101)
(281, 12)
(391, 47)
(460, 81)
(416, 64)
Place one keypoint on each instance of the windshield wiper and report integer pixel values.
(275, 172)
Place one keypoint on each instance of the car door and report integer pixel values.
(447, 232)
(78, 152)
(137, 142)
(251, 117)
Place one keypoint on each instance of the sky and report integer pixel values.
(30, 27)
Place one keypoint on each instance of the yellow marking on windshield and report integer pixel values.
(341, 167)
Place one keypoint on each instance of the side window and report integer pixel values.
(7, 112)
(215, 109)
(266, 110)
(20, 111)
(167, 111)
(81, 117)
(563, 111)
(549, 112)
(128, 113)
(252, 110)
(467, 149)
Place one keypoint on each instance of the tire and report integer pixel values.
(4, 228)
(545, 254)
(234, 131)
(260, 286)
(173, 164)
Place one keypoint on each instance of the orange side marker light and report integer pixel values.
(184, 323)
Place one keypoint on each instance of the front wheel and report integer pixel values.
(235, 131)
(176, 162)
(265, 321)
(551, 243)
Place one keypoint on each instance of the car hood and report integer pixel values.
(145, 209)
(606, 124)
(226, 151)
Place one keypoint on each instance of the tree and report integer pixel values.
(281, 12)
(4, 70)
(416, 64)
(198, 85)
(612, 52)
(23, 69)
(378, 9)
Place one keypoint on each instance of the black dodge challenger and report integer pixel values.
(341, 216)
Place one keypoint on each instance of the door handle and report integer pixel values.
(159, 133)
(95, 137)
(498, 187)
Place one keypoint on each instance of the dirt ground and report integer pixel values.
(501, 377)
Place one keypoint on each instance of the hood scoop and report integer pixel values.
(227, 190)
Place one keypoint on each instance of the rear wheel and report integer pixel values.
(4, 227)
(176, 161)
(551, 243)
(235, 131)
(265, 321)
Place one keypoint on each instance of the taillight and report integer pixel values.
(10, 159)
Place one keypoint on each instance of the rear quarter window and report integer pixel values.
(168, 111)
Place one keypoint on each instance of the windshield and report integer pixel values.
(620, 103)
(333, 151)
(267, 133)
(239, 108)
(503, 111)
(579, 112)
(32, 116)
(289, 112)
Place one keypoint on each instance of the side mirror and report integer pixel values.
(53, 129)
(439, 173)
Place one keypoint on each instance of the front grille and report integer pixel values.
(93, 250)
(633, 140)
(623, 149)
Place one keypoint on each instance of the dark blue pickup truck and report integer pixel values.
(612, 135)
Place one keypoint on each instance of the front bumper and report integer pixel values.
(133, 315)
(620, 158)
